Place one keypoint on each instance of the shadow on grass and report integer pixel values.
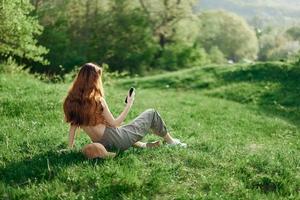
(283, 100)
(41, 167)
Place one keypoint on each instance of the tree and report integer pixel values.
(18, 30)
(115, 32)
(125, 41)
(275, 44)
(165, 15)
(216, 56)
(285, 52)
(129, 35)
(230, 33)
(294, 32)
(169, 20)
(62, 22)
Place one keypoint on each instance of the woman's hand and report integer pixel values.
(130, 99)
(110, 118)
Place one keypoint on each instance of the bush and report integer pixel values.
(10, 67)
(177, 56)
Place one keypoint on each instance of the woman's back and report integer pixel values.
(94, 132)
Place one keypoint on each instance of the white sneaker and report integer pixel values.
(176, 142)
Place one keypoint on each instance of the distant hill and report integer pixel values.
(275, 12)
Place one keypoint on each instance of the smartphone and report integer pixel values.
(130, 92)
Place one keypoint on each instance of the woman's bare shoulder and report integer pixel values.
(102, 99)
(103, 102)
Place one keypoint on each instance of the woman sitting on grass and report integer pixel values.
(85, 107)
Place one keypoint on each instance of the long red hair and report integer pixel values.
(82, 105)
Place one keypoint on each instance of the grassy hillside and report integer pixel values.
(273, 87)
(241, 124)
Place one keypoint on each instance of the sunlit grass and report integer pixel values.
(239, 146)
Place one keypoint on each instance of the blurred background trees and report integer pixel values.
(136, 36)
(18, 32)
(277, 45)
(228, 33)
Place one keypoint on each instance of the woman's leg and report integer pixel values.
(168, 138)
(159, 128)
(137, 129)
(140, 144)
(149, 120)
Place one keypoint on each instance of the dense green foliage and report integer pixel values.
(241, 124)
(18, 30)
(127, 35)
(135, 36)
(278, 44)
(294, 32)
(276, 24)
(272, 12)
(100, 31)
(229, 33)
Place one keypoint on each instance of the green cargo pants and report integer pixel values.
(123, 137)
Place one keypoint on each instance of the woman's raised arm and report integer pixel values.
(110, 118)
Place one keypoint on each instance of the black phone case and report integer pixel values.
(130, 92)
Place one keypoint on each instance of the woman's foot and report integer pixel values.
(147, 144)
(173, 141)
(176, 142)
(152, 144)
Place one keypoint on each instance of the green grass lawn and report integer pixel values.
(242, 126)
